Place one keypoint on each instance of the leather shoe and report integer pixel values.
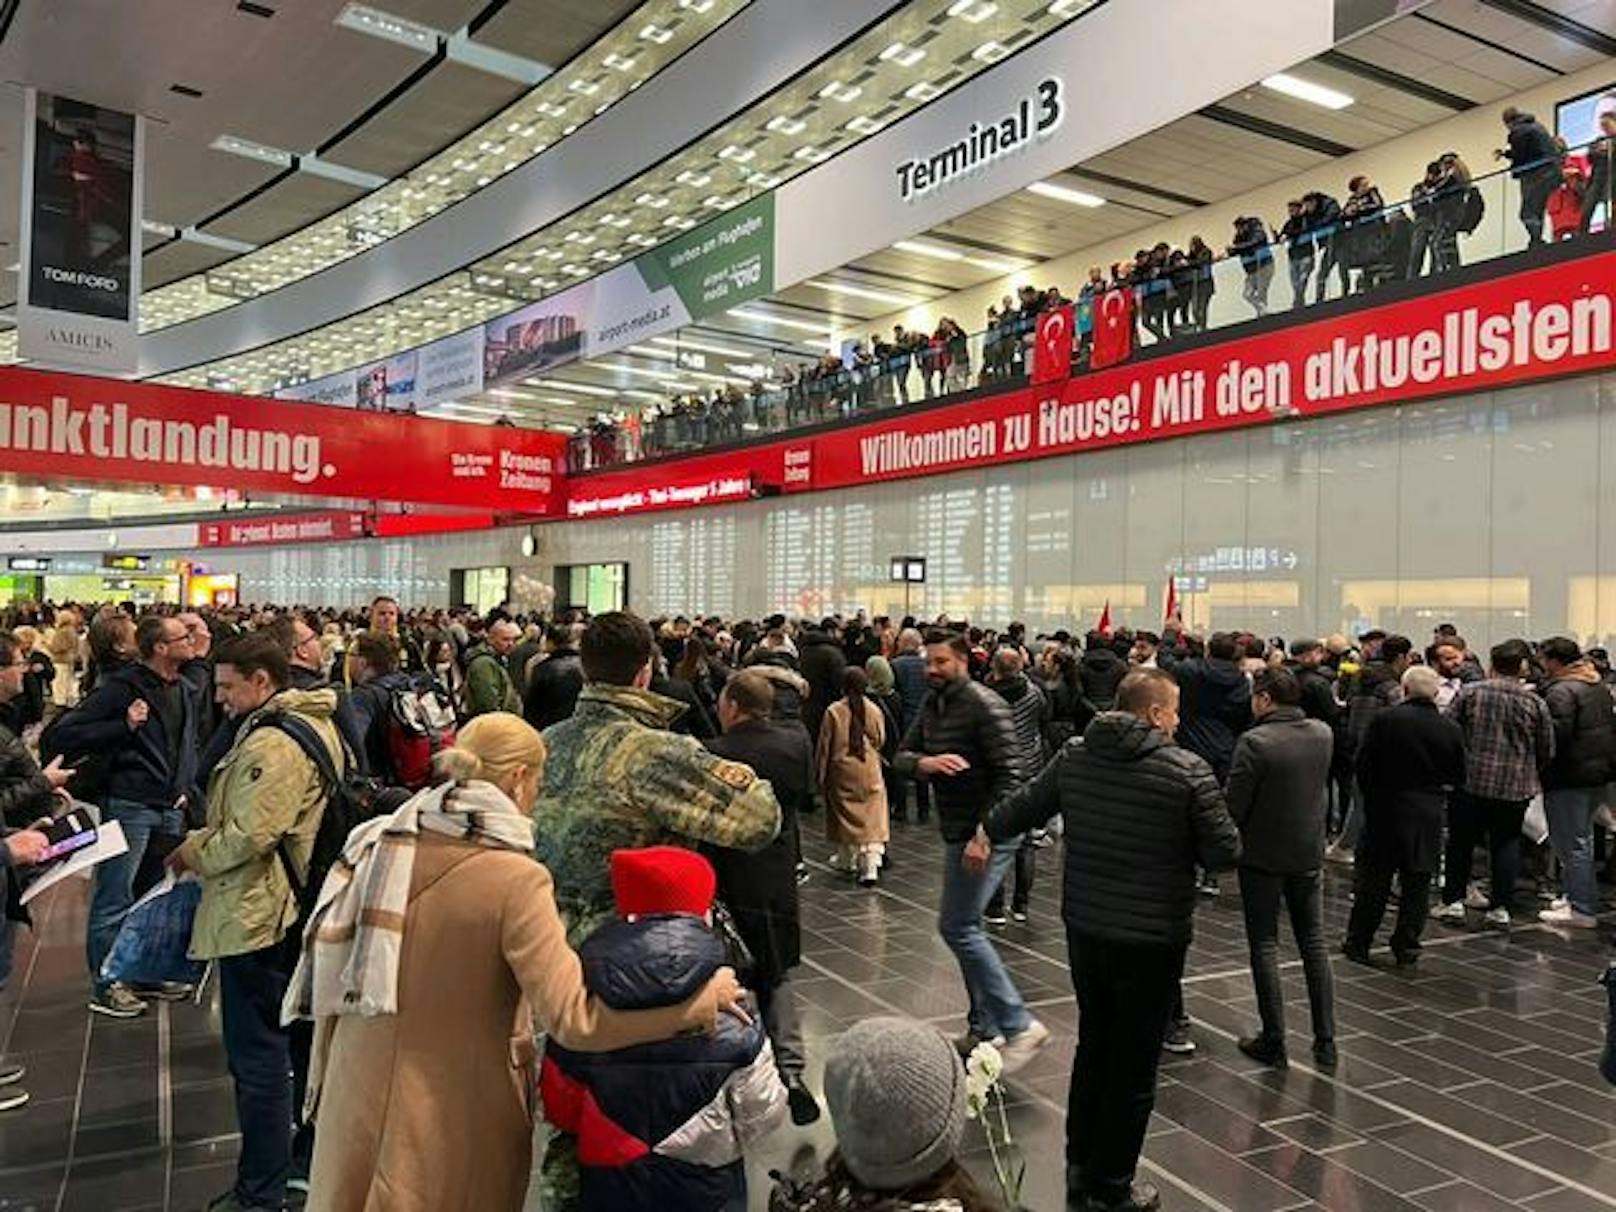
(804, 1106)
(1358, 955)
(1264, 1051)
(1324, 1053)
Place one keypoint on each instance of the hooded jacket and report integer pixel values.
(790, 690)
(1140, 814)
(615, 778)
(1101, 671)
(662, 1126)
(263, 790)
(1584, 716)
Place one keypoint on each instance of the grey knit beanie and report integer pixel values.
(896, 1092)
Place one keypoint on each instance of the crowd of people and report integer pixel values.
(608, 813)
(1358, 242)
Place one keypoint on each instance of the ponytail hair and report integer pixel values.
(492, 748)
(855, 681)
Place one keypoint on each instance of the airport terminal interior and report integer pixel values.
(764, 606)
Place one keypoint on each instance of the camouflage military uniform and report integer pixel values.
(615, 779)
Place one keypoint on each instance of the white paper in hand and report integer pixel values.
(109, 843)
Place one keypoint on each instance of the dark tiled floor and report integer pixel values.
(1466, 1085)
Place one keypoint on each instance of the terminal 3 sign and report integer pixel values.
(1036, 117)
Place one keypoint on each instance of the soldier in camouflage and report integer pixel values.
(615, 778)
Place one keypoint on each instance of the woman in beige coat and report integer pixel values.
(429, 1109)
(849, 764)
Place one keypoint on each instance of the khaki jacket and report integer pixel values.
(262, 790)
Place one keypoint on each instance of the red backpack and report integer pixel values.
(420, 722)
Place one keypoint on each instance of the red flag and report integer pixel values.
(1113, 328)
(1104, 626)
(1172, 614)
(1052, 359)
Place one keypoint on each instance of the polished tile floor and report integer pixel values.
(1468, 1084)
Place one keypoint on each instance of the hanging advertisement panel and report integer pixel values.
(84, 428)
(80, 255)
(719, 265)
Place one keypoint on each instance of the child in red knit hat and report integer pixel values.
(664, 1125)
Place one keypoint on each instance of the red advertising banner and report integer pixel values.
(324, 527)
(1052, 355)
(80, 427)
(1539, 324)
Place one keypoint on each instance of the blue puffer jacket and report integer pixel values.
(662, 1126)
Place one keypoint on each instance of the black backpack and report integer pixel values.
(351, 800)
(1475, 208)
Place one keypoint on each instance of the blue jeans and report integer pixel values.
(1570, 811)
(258, 1048)
(112, 890)
(996, 1006)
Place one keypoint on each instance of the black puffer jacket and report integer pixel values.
(1276, 791)
(1028, 711)
(1140, 814)
(968, 719)
(1584, 715)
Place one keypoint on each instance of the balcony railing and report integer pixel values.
(1456, 221)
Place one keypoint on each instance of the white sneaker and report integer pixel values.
(1559, 902)
(1497, 917)
(1454, 913)
(1475, 898)
(1023, 1046)
(1565, 915)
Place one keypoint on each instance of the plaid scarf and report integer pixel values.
(351, 945)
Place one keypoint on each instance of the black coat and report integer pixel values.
(1276, 791)
(1584, 715)
(1531, 149)
(1100, 672)
(823, 666)
(1214, 709)
(1410, 754)
(139, 767)
(1140, 813)
(694, 720)
(25, 796)
(968, 719)
(760, 889)
(552, 691)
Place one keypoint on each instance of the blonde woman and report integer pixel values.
(65, 647)
(422, 1072)
(856, 813)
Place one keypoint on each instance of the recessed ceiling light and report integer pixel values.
(786, 126)
(693, 179)
(1062, 194)
(902, 54)
(619, 62)
(363, 19)
(924, 91)
(736, 153)
(837, 91)
(1306, 90)
(974, 11)
(655, 33)
(248, 149)
(813, 155)
(762, 181)
(862, 125)
(763, 317)
(654, 201)
(990, 52)
(586, 88)
(1066, 8)
(928, 250)
(861, 292)
(695, 6)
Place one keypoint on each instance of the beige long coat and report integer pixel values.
(855, 792)
(429, 1110)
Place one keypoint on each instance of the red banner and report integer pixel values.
(1539, 324)
(1052, 355)
(1113, 328)
(83, 428)
(325, 527)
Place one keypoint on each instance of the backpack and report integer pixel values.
(1474, 209)
(420, 722)
(350, 801)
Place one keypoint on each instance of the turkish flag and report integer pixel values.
(1053, 359)
(1172, 614)
(1113, 328)
(1104, 625)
